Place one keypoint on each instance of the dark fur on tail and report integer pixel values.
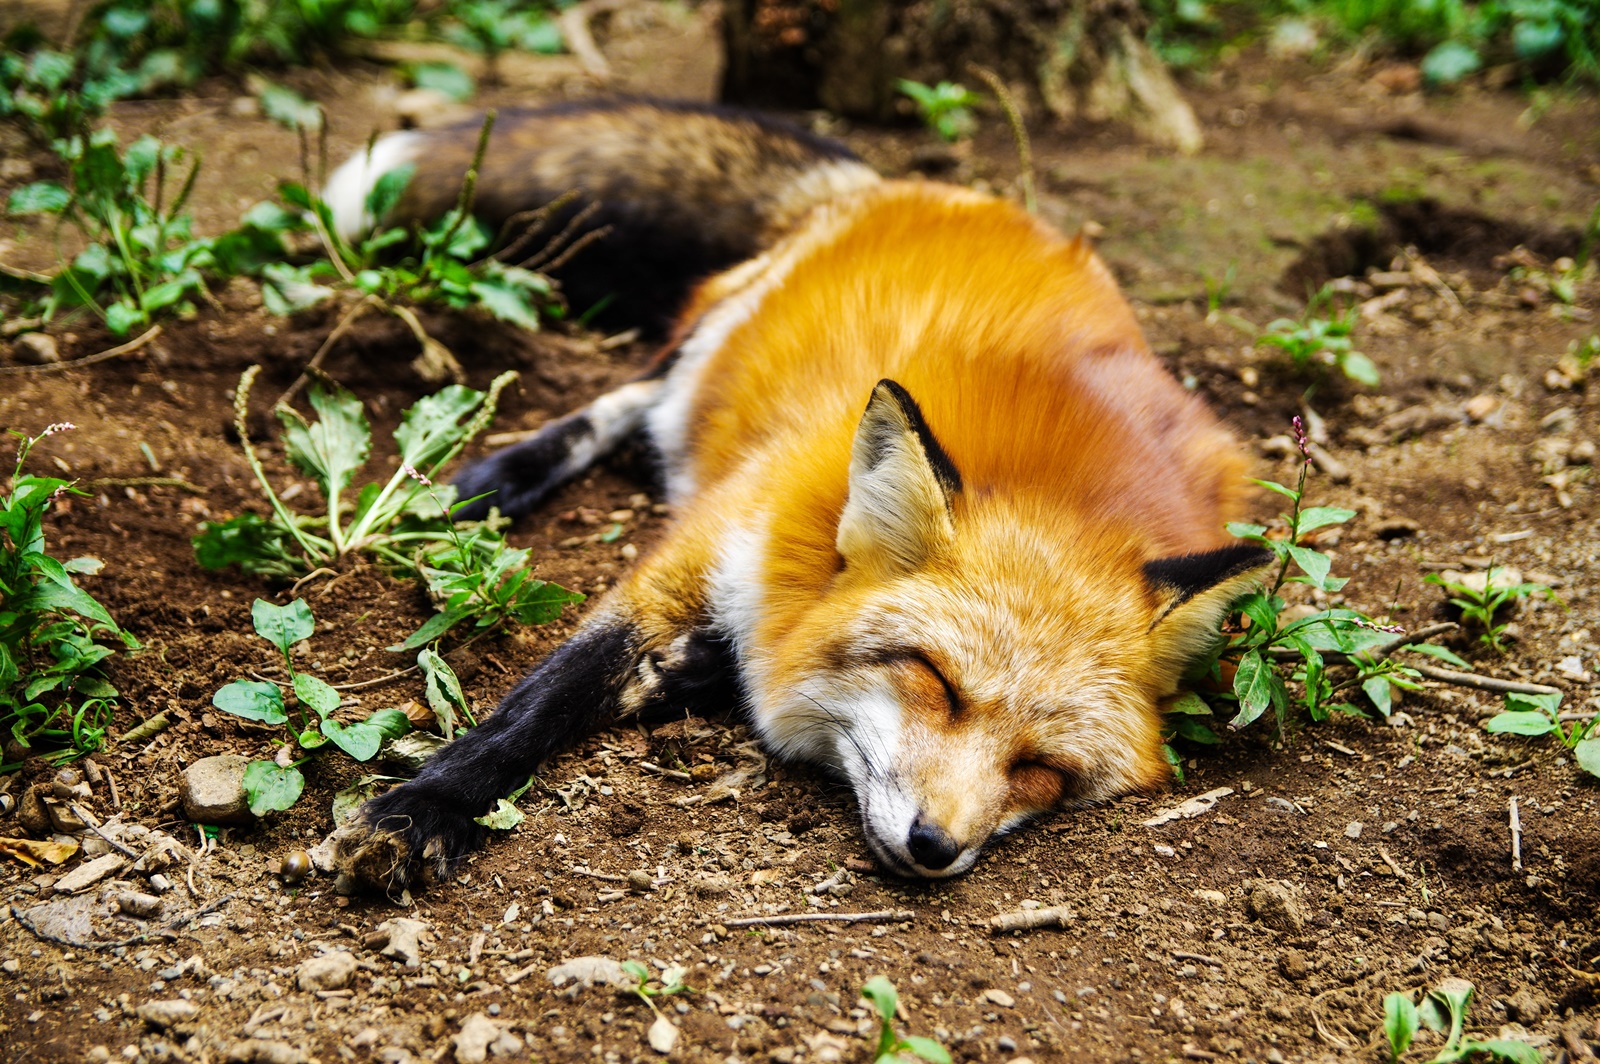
(680, 190)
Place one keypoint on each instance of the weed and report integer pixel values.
(1261, 654)
(945, 108)
(892, 1046)
(1479, 603)
(1529, 714)
(1444, 1010)
(53, 691)
(470, 571)
(276, 784)
(1315, 343)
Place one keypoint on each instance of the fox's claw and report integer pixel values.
(400, 840)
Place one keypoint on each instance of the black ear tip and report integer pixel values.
(1190, 574)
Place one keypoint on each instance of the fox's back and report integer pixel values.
(1024, 357)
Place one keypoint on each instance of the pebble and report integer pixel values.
(1559, 421)
(589, 971)
(999, 997)
(1212, 897)
(88, 874)
(663, 1035)
(37, 348)
(11, 966)
(481, 1037)
(1481, 406)
(1354, 829)
(1163, 850)
(133, 903)
(264, 1051)
(1277, 904)
(213, 790)
(331, 971)
(167, 1013)
(1282, 804)
(1006, 1044)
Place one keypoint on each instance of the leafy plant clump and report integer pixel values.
(1540, 714)
(274, 785)
(893, 1047)
(469, 570)
(1316, 343)
(1479, 604)
(1444, 1010)
(53, 690)
(1329, 655)
(945, 108)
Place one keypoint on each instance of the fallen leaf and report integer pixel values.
(33, 853)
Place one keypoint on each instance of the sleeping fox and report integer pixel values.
(941, 515)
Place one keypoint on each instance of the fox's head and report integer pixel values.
(982, 657)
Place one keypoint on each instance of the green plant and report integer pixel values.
(53, 691)
(276, 784)
(1444, 1009)
(1316, 342)
(1261, 655)
(1540, 714)
(945, 108)
(885, 1000)
(404, 521)
(1479, 604)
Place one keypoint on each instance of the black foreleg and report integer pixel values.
(425, 824)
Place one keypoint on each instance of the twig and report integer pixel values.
(1028, 919)
(658, 770)
(1484, 683)
(1019, 132)
(385, 678)
(113, 843)
(146, 482)
(166, 930)
(1199, 958)
(18, 273)
(315, 361)
(885, 916)
(1516, 835)
(110, 353)
(111, 780)
(1394, 866)
(592, 874)
(312, 575)
(576, 246)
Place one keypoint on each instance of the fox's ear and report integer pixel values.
(901, 486)
(1193, 593)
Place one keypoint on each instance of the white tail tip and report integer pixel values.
(347, 189)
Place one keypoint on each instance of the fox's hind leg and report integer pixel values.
(647, 645)
(518, 478)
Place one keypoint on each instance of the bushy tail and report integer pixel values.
(677, 191)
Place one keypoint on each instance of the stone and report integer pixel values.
(663, 1035)
(999, 997)
(480, 1037)
(589, 971)
(166, 1014)
(1481, 406)
(331, 971)
(138, 905)
(403, 939)
(264, 1051)
(37, 348)
(1277, 904)
(1524, 1007)
(1354, 829)
(31, 812)
(1214, 898)
(708, 884)
(88, 874)
(213, 790)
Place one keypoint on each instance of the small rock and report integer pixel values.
(36, 348)
(480, 1036)
(403, 939)
(331, 971)
(1163, 850)
(1293, 965)
(1354, 829)
(1277, 904)
(98, 1055)
(1582, 452)
(31, 812)
(264, 1051)
(88, 874)
(213, 790)
(1214, 898)
(1481, 406)
(1560, 421)
(1438, 920)
(589, 971)
(166, 1014)
(138, 905)
(1006, 1044)
(663, 1035)
(999, 997)
(709, 884)
(1524, 1007)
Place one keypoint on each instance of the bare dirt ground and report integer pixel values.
(1352, 859)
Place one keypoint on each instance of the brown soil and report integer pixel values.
(1390, 838)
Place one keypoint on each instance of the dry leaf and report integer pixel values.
(33, 853)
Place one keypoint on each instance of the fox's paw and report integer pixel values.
(402, 839)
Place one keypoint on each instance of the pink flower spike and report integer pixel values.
(411, 471)
(1300, 437)
(59, 426)
(1391, 629)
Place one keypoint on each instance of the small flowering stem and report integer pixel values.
(450, 526)
(241, 412)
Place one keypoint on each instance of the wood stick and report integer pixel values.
(1200, 958)
(332, 338)
(94, 827)
(672, 772)
(110, 353)
(1484, 683)
(1516, 836)
(1028, 919)
(885, 916)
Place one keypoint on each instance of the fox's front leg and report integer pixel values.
(640, 648)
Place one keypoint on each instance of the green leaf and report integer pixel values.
(927, 1049)
(316, 694)
(390, 723)
(1274, 486)
(1548, 704)
(1587, 754)
(288, 108)
(1314, 564)
(1314, 517)
(360, 741)
(122, 316)
(1252, 684)
(41, 197)
(87, 565)
(387, 190)
(504, 817)
(282, 626)
(270, 787)
(1359, 368)
(443, 691)
(883, 996)
(252, 700)
(1449, 62)
(256, 545)
(1196, 732)
(1520, 723)
(1400, 1023)
(1441, 653)
(446, 78)
(1503, 1049)
(1246, 531)
(1189, 704)
(507, 303)
(287, 289)
(432, 629)
(334, 446)
(1379, 690)
(434, 423)
(348, 802)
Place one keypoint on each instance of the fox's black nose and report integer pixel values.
(931, 846)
